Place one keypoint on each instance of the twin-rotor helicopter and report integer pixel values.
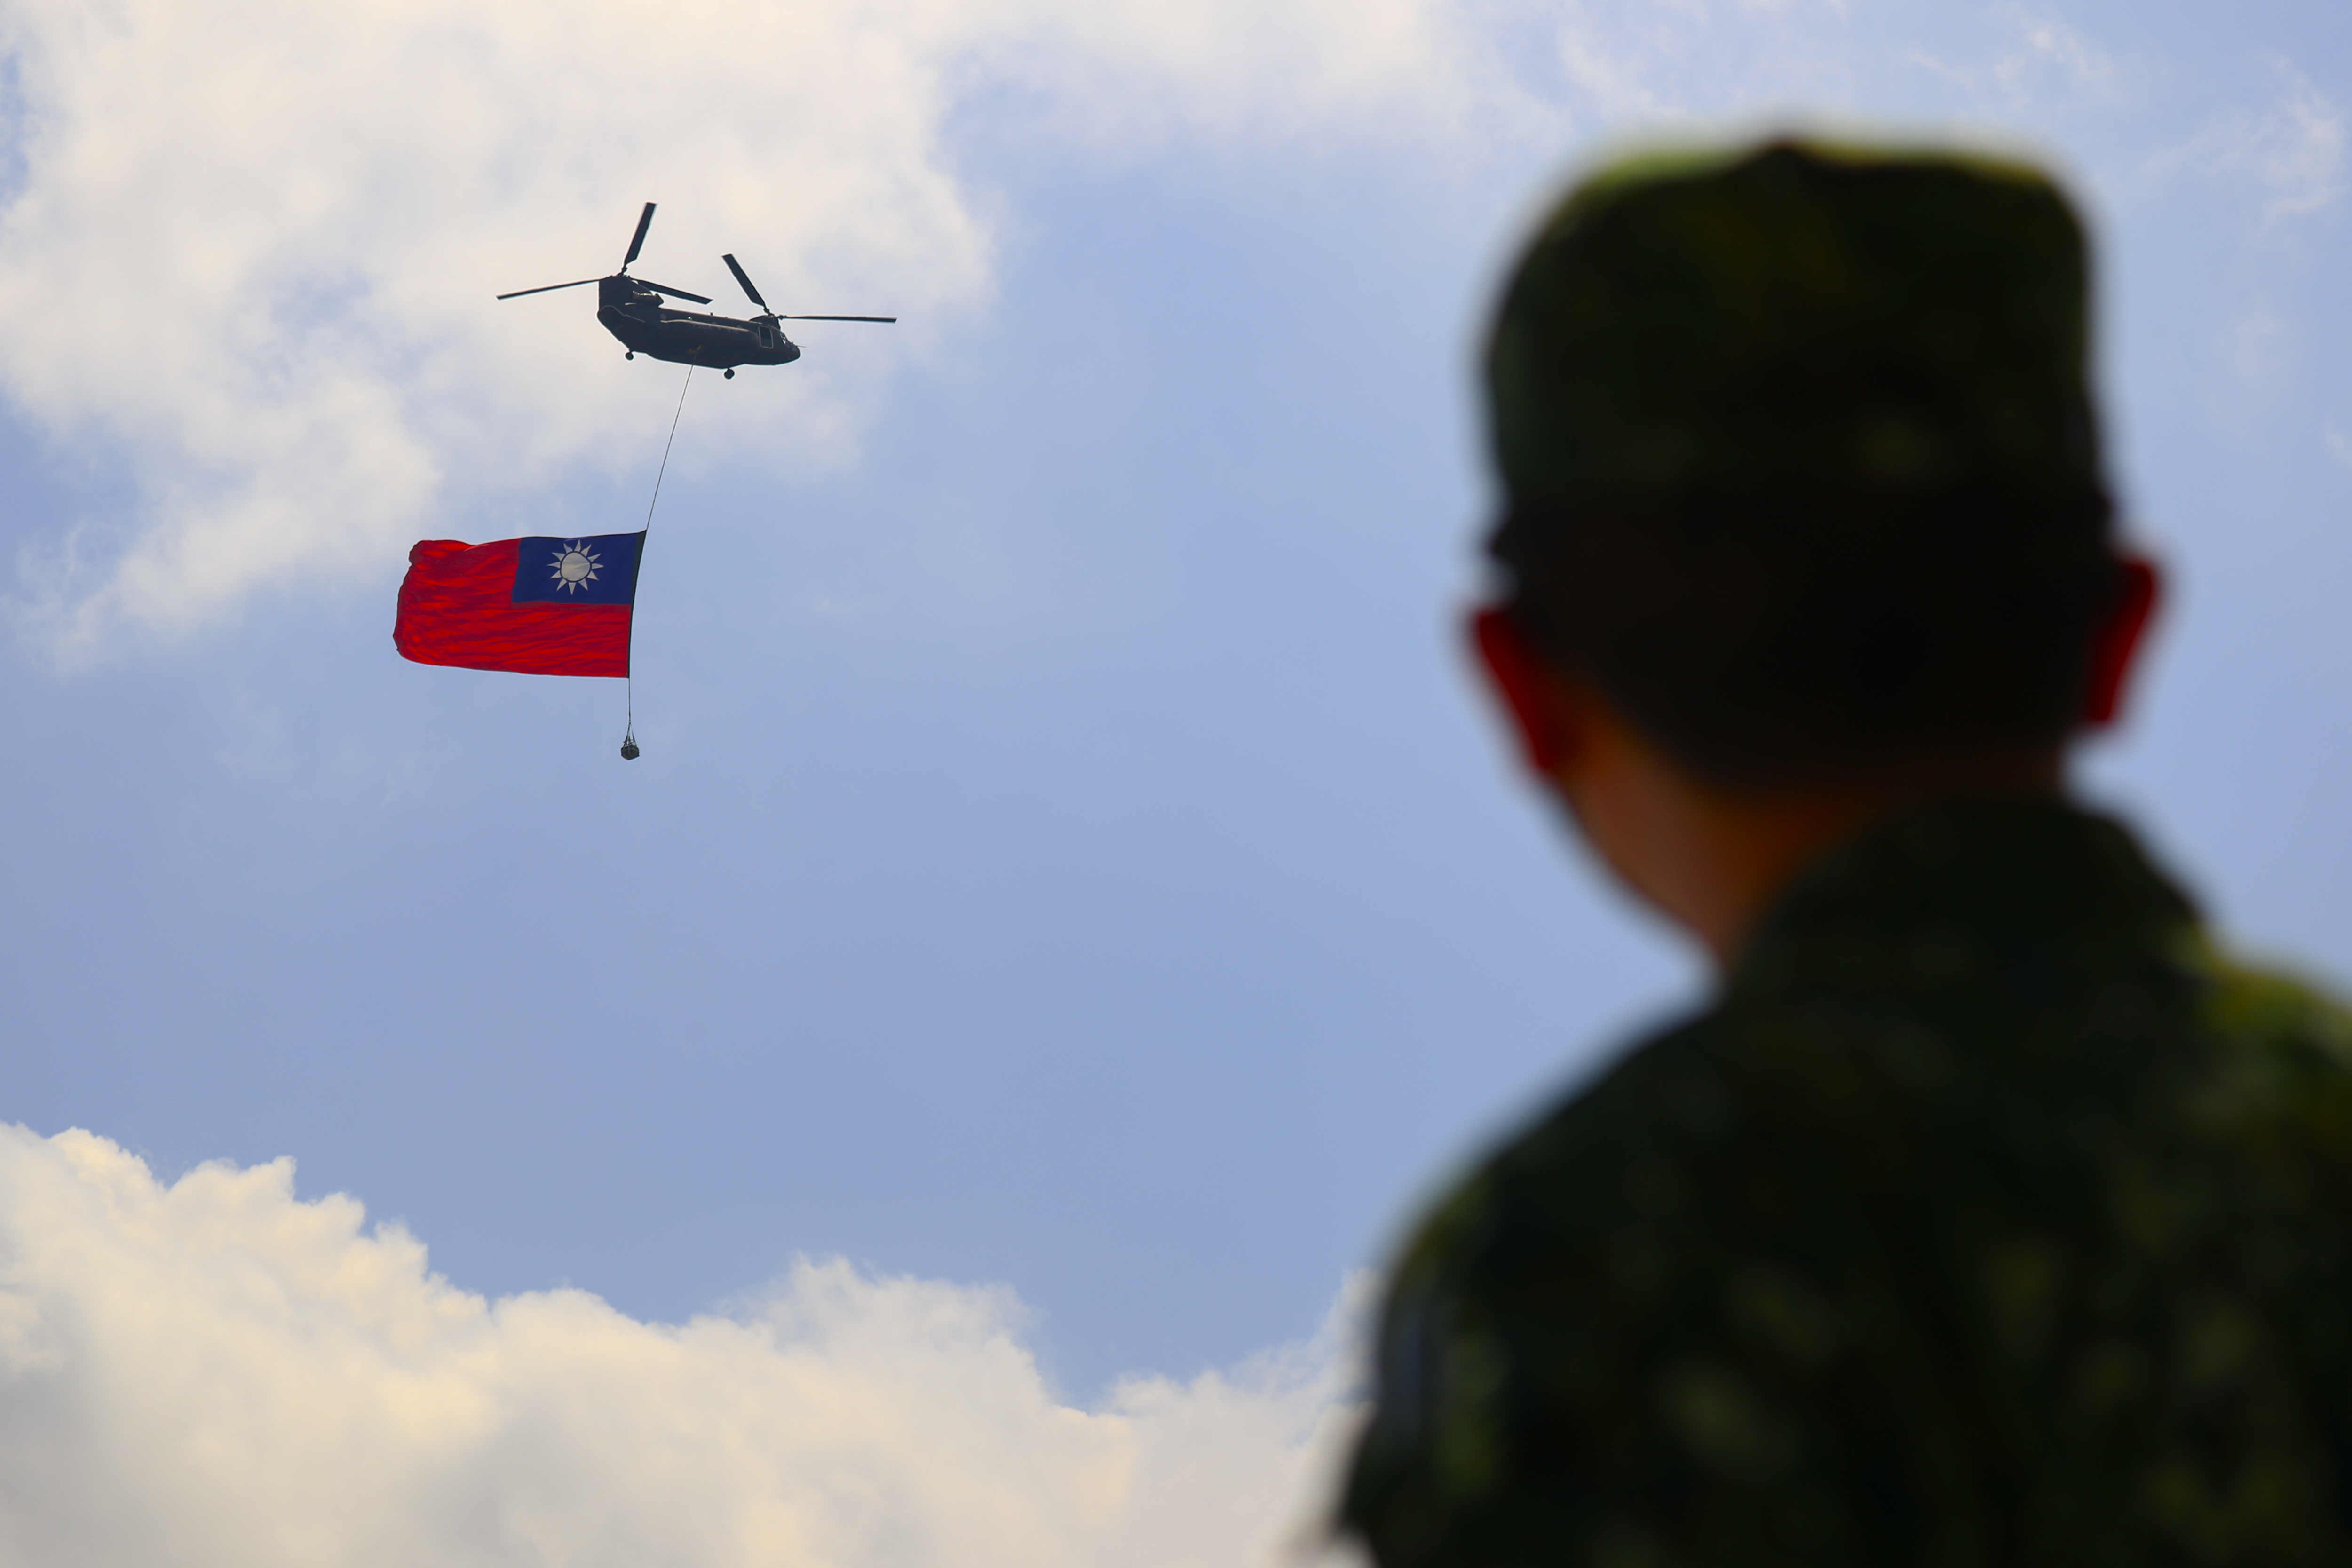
(632, 310)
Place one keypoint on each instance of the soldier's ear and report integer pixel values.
(2116, 646)
(1533, 694)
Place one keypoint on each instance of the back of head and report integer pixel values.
(1801, 463)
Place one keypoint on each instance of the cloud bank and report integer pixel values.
(248, 250)
(213, 1373)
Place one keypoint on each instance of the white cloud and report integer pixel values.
(2047, 42)
(2037, 64)
(2257, 344)
(247, 250)
(250, 259)
(213, 1373)
(2296, 150)
(1639, 64)
(2298, 147)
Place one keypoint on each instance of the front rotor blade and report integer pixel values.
(666, 289)
(744, 279)
(546, 288)
(840, 318)
(637, 240)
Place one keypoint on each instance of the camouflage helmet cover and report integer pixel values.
(1797, 318)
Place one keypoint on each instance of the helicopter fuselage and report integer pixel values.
(637, 316)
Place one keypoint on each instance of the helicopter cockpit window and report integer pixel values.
(767, 339)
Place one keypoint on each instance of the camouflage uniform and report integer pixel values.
(1988, 1216)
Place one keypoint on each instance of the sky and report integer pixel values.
(948, 1101)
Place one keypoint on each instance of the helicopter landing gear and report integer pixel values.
(730, 375)
(631, 354)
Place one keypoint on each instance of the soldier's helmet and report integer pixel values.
(1800, 456)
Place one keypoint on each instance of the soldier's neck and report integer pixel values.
(1712, 860)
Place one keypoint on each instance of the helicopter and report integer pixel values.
(632, 310)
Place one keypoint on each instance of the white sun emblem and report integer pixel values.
(576, 566)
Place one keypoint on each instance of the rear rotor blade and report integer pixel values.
(637, 240)
(744, 279)
(666, 289)
(840, 318)
(547, 287)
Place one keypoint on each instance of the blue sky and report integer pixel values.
(1068, 852)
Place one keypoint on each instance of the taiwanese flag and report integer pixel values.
(537, 606)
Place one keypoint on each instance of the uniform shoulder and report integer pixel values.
(2270, 1007)
(2287, 1047)
(1581, 1151)
(1538, 1228)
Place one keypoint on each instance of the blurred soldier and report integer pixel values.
(1988, 1214)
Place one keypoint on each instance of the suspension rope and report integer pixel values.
(666, 445)
(629, 682)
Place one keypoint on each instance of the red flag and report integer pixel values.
(537, 606)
